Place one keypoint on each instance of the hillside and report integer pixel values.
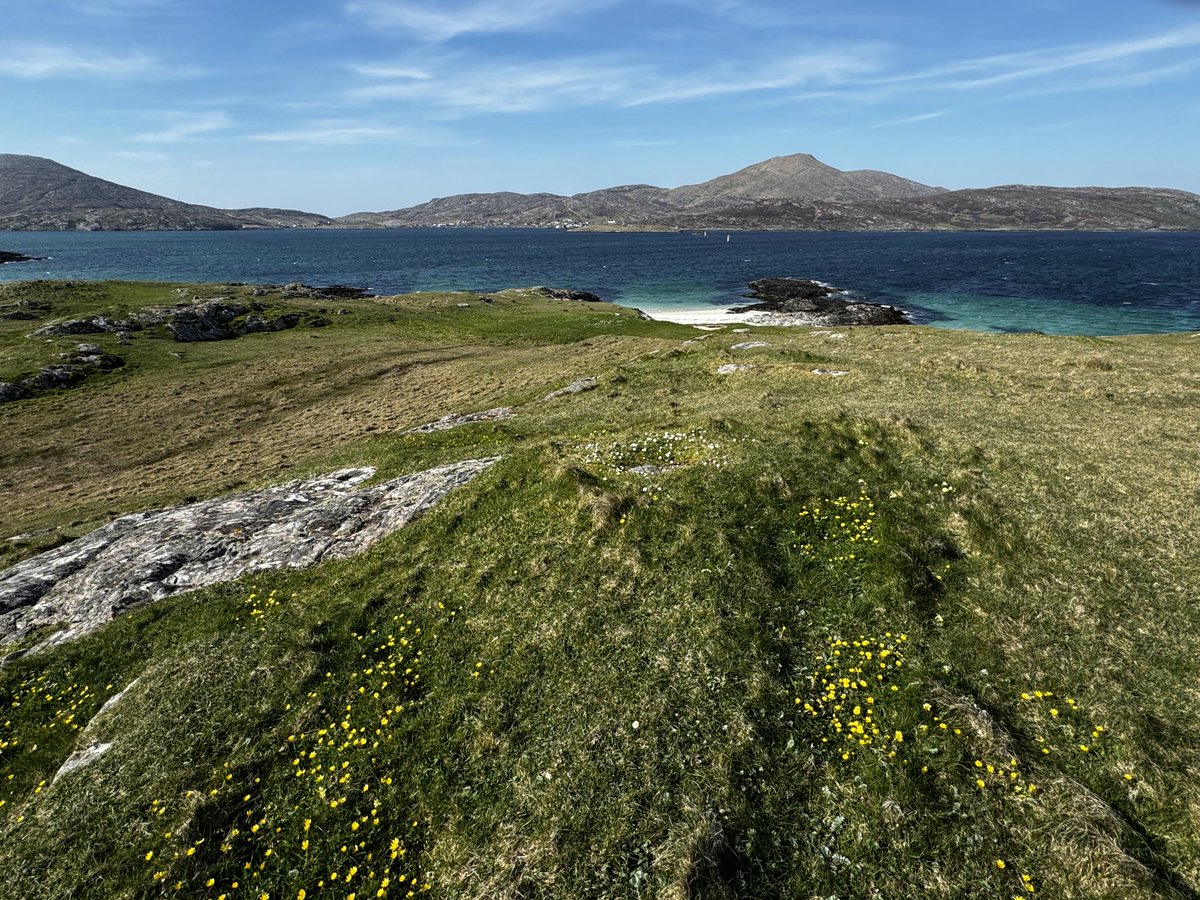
(923, 628)
(41, 195)
(799, 192)
(799, 177)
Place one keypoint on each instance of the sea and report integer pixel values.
(1056, 283)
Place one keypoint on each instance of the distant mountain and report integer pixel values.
(41, 195)
(802, 193)
(799, 177)
(1005, 208)
(795, 192)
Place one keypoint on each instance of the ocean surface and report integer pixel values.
(1072, 283)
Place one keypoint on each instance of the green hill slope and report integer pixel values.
(927, 628)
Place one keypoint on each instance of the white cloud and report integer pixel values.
(992, 71)
(911, 120)
(399, 71)
(466, 89)
(187, 126)
(338, 132)
(439, 22)
(38, 61)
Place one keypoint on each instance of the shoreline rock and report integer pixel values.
(7, 256)
(798, 301)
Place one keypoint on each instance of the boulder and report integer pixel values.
(10, 392)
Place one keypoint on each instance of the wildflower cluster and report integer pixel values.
(835, 529)
(844, 689)
(1006, 777)
(1064, 726)
(332, 823)
(261, 608)
(38, 709)
(655, 453)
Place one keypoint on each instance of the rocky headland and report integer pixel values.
(7, 256)
(798, 301)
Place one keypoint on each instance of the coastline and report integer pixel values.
(710, 317)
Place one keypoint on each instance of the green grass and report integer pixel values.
(1022, 571)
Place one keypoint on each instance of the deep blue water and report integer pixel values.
(1074, 283)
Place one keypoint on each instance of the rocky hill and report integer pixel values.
(796, 178)
(796, 192)
(800, 192)
(39, 194)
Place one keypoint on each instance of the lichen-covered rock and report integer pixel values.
(147, 556)
(454, 421)
(575, 387)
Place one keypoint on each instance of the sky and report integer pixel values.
(337, 106)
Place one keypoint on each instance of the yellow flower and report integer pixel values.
(149, 855)
(999, 864)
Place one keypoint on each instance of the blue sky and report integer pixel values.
(349, 105)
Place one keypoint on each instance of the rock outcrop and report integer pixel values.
(216, 319)
(456, 420)
(7, 256)
(568, 294)
(798, 301)
(72, 368)
(147, 556)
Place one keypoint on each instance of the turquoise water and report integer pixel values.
(1075, 283)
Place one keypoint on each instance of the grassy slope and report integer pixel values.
(1034, 501)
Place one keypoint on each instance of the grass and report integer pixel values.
(573, 679)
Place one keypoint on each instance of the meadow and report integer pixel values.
(928, 628)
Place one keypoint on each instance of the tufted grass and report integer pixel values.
(1024, 555)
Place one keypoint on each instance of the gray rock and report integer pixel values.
(286, 321)
(831, 373)
(147, 556)
(567, 294)
(454, 421)
(575, 387)
(750, 345)
(733, 368)
(52, 377)
(11, 392)
(813, 303)
(254, 325)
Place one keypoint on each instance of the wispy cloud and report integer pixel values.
(346, 132)
(1003, 69)
(397, 72)
(187, 126)
(39, 61)
(911, 120)
(461, 88)
(439, 22)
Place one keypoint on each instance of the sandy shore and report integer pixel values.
(715, 315)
